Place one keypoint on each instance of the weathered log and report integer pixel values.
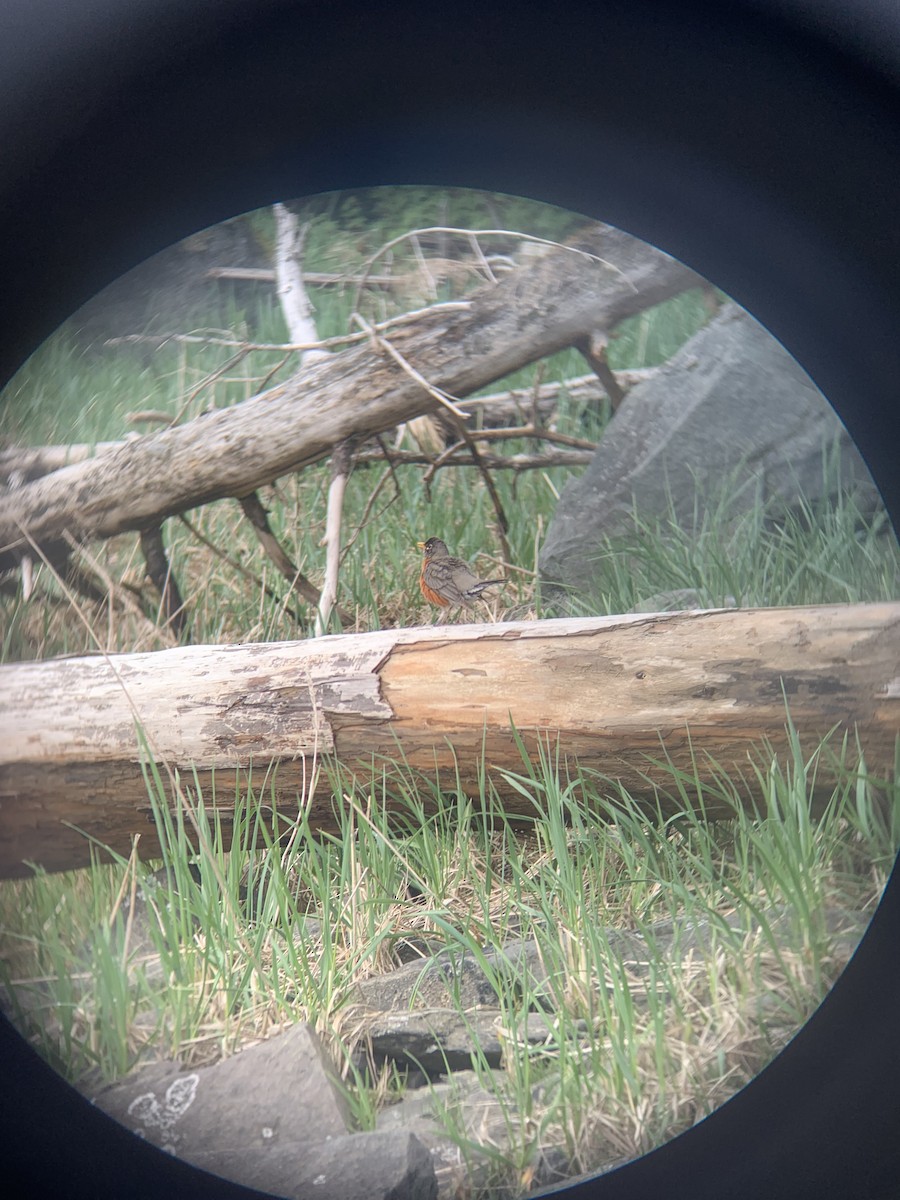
(532, 312)
(617, 694)
(20, 464)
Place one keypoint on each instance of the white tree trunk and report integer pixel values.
(290, 286)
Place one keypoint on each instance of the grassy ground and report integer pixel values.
(280, 934)
(636, 1052)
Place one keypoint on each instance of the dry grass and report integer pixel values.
(643, 1044)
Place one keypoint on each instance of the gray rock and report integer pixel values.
(385, 1165)
(439, 1014)
(483, 1124)
(444, 981)
(731, 404)
(255, 1118)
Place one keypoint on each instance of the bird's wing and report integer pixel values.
(463, 576)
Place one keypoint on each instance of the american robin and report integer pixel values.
(448, 581)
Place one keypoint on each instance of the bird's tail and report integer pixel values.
(477, 588)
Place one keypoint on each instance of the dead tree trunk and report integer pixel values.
(366, 389)
(615, 694)
(21, 464)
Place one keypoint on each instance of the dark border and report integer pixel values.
(760, 142)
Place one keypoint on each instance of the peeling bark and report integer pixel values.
(617, 694)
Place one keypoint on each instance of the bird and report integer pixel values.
(448, 581)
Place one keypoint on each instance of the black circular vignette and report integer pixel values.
(759, 142)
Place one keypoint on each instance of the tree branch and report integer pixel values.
(340, 473)
(160, 571)
(530, 313)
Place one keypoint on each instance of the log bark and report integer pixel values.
(21, 464)
(532, 312)
(616, 694)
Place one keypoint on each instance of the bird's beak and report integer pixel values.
(420, 545)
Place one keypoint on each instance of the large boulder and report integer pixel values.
(732, 406)
(274, 1119)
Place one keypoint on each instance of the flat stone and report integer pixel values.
(383, 1165)
(444, 981)
(484, 1125)
(254, 1118)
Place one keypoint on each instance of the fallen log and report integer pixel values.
(22, 464)
(391, 376)
(614, 693)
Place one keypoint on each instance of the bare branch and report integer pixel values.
(235, 564)
(258, 517)
(118, 595)
(535, 433)
(370, 504)
(483, 469)
(318, 278)
(497, 462)
(339, 340)
(160, 571)
(340, 472)
(234, 451)
(443, 398)
(472, 235)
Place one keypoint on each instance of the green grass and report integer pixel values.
(244, 940)
(255, 938)
(828, 552)
(225, 604)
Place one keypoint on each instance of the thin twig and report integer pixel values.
(484, 471)
(258, 517)
(436, 463)
(539, 434)
(479, 255)
(116, 594)
(269, 376)
(536, 393)
(236, 565)
(507, 566)
(443, 398)
(256, 514)
(477, 233)
(340, 471)
(211, 377)
(458, 418)
(423, 267)
(27, 566)
(594, 350)
(343, 339)
(496, 462)
(390, 462)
